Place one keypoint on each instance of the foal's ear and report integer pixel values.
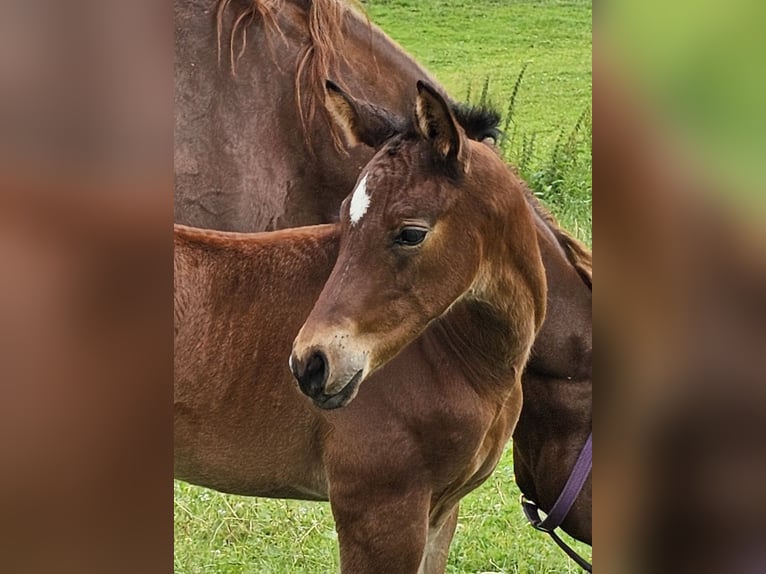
(360, 122)
(436, 123)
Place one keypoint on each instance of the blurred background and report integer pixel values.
(86, 138)
(679, 108)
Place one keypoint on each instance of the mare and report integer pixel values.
(256, 150)
(432, 287)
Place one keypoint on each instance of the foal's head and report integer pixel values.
(433, 219)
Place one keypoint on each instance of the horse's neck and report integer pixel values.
(243, 160)
(377, 69)
(563, 346)
(224, 180)
(556, 416)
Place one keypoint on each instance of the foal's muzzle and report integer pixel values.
(311, 373)
(327, 380)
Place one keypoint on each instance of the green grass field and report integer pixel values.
(463, 43)
(223, 534)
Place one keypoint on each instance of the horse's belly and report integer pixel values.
(248, 455)
(260, 488)
(252, 476)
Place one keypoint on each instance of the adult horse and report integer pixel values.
(432, 283)
(249, 157)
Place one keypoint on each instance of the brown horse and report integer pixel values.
(249, 158)
(426, 301)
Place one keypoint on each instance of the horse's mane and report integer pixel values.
(479, 122)
(578, 255)
(324, 19)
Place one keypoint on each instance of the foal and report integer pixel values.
(423, 304)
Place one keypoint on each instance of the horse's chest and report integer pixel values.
(466, 452)
(468, 461)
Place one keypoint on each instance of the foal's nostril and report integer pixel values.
(311, 374)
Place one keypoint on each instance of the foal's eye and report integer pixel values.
(411, 236)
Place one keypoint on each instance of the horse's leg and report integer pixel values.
(380, 528)
(437, 548)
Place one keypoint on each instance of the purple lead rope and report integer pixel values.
(564, 502)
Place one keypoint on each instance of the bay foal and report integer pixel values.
(254, 150)
(421, 306)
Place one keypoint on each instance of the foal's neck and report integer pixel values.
(475, 339)
(490, 330)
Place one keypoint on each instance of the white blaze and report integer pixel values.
(360, 201)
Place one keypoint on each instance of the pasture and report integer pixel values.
(478, 51)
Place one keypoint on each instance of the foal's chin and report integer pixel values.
(342, 397)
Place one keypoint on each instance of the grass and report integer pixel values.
(531, 60)
(224, 534)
